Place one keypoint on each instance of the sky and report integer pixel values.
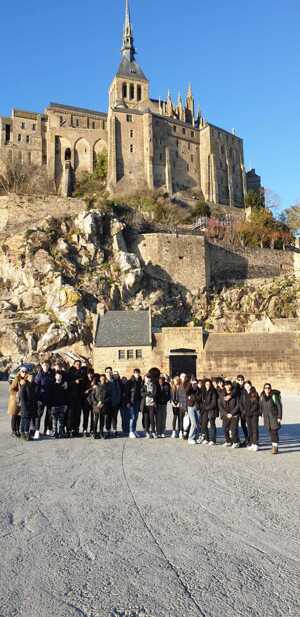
(242, 58)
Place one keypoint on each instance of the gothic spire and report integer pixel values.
(128, 49)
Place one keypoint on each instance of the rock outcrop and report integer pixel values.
(61, 263)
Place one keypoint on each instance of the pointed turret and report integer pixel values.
(180, 110)
(190, 106)
(128, 49)
(169, 106)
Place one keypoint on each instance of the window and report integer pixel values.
(129, 118)
(34, 127)
(77, 122)
(192, 134)
(103, 124)
(7, 133)
(29, 158)
(27, 139)
(124, 91)
(192, 158)
(61, 120)
(174, 128)
(131, 148)
(68, 154)
(139, 354)
(93, 125)
(131, 133)
(139, 93)
(130, 354)
(23, 125)
(122, 355)
(44, 159)
(183, 131)
(131, 92)
(160, 157)
(19, 137)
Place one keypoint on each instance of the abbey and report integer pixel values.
(151, 143)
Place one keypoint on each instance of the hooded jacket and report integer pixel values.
(271, 410)
(249, 407)
(43, 382)
(210, 403)
(228, 404)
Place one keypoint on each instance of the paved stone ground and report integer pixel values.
(153, 529)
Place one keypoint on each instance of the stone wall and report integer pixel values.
(227, 264)
(262, 357)
(178, 258)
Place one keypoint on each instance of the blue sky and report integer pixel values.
(243, 60)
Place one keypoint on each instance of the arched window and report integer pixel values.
(124, 91)
(139, 93)
(68, 154)
(131, 92)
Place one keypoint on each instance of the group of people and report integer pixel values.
(77, 399)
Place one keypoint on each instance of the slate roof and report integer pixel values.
(78, 109)
(130, 69)
(124, 329)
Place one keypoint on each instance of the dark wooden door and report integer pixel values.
(183, 364)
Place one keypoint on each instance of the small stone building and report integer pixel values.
(125, 340)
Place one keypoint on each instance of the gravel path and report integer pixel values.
(154, 529)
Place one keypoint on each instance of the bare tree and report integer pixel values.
(22, 178)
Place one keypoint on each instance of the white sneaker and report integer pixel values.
(36, 435)
(132, 436)
(235, 445)
(48, 433)
(136, 435)
(211, 443)
(174, 435)
(205, 442)
(147, 435)
(249, 447)
(180, 435)
(192, 442)
(163, 436)
(255, 448)
(200, 439)
(154, 436)
(226, 444)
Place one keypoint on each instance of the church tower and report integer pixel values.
(130, 87)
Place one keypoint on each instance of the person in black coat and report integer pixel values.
(209, 413)
(58, 398)
(163, 396)
(27, 404)
(238, 389)
(271, 410)
(250, 410)
(77, 378)
(87, 403)
(134, 391)
(229, 412)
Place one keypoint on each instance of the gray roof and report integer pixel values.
(79, 109)
(124, 329)
(130, 69)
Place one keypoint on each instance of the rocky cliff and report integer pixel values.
(61, 263)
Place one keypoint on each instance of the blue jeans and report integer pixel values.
(194, 417)
(133, 416)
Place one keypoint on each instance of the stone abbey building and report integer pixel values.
(151, 144)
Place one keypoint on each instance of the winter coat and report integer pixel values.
(271, 410)
(229, 405)
(101, 397)
(43, 382)
(148, 392)
(174, 396)
(194, 398)
(27, 399)
(210, 403)
(58, 395)
(135, 390)
(14, 407)
(114, 392)
(249, 407)
(182, 397)
(76, 389)
(163, 395)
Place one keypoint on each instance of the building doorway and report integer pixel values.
(183, 361)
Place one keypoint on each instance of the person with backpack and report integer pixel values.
(209, 413)
(250, 409)
(229, 413)
(163, 396)
(271, 410)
